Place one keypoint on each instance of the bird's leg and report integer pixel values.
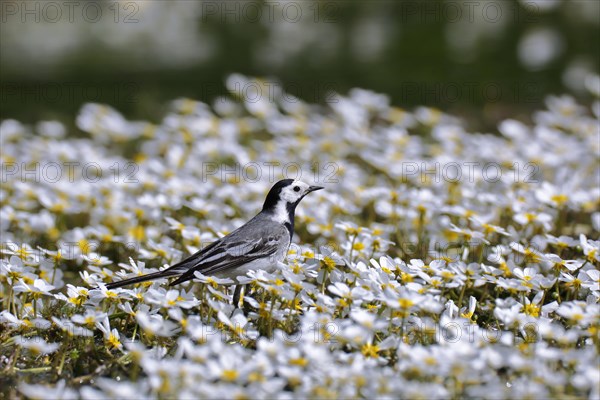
(236, 295)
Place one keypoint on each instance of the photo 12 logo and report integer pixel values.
(69, 11)
(471, 92)
(253, 172)
(270, 11)
(470, 12)
(70, 171)
(468, 171)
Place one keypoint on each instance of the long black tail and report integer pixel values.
(143, 278)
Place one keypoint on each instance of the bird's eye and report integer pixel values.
(296, 188)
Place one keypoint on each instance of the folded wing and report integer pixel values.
(226, 255)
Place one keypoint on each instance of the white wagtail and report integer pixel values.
(259, 244)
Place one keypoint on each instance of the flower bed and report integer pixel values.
(438, 262)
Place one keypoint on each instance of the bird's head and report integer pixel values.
(285, 196)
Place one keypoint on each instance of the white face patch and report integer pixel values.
(293, 192)
(288, 196)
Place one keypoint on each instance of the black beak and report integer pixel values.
(314, 188)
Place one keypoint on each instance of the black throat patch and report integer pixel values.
(272, 200)
(291, 209)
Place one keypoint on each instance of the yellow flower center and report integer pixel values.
(532, 310)
(358, 246)
(370, 350)
(229, 375)
(114, 341)
(300, 362)
(405, 303)
(560, 199)
(328, 263)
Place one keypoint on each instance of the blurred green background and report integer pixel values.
(483, 60)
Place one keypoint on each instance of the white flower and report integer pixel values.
(155, 325)
(111, 337)
(39, 287)
(39, 391)
(36, 345)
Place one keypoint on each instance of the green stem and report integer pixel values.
(54, 271)
(481, 251)
(542, 301)
(9, 297)
(134, 333)
(557, 292)
(323, 283)
(62, 362)
(270, 323)
(292, 309)
(14, 306)
(352, 246)
(15, 358)
(462, 294)
(34, 370)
